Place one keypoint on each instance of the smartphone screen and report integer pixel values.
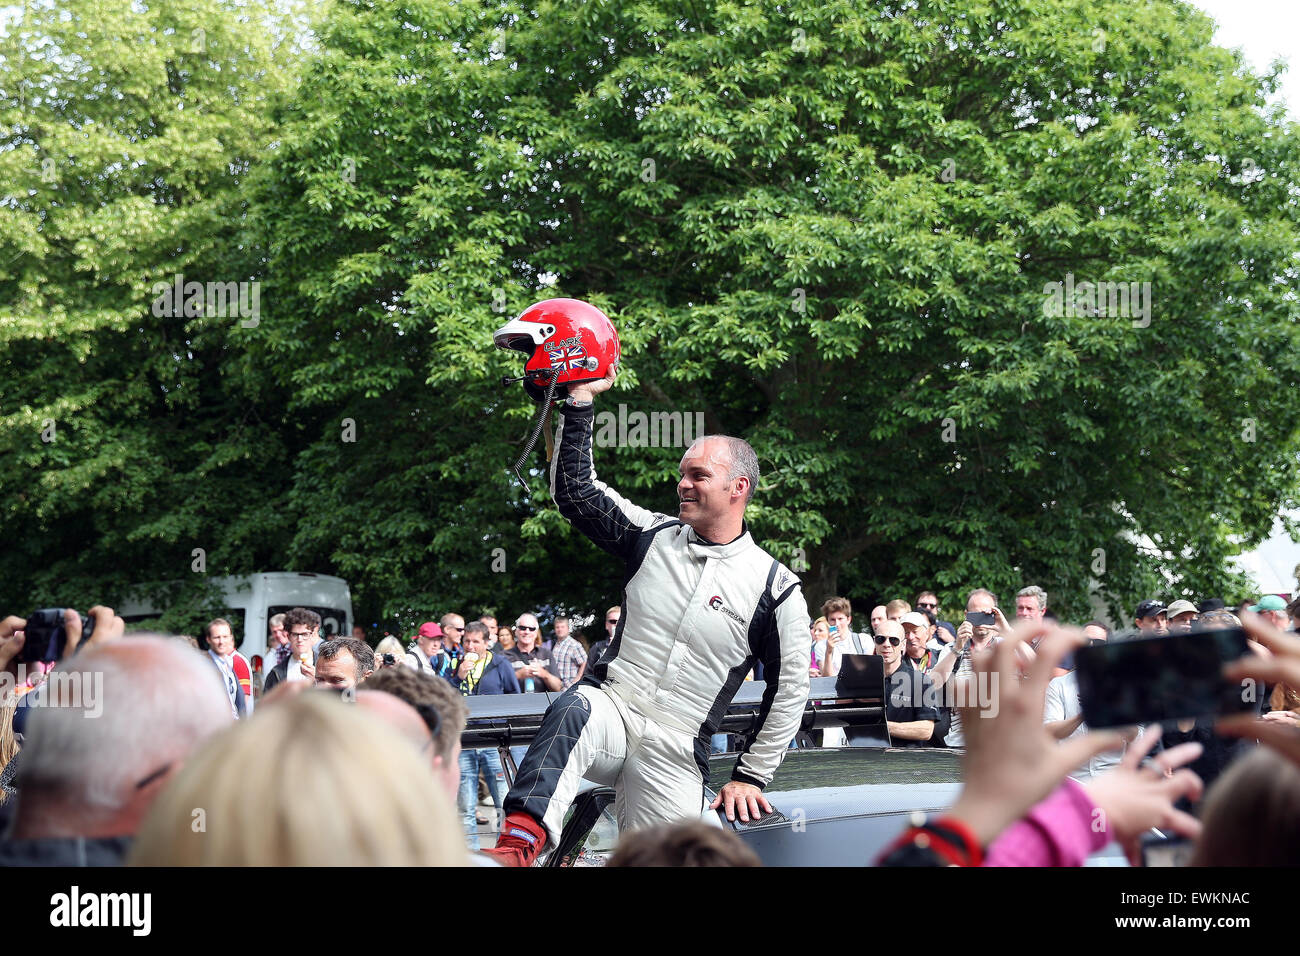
(1162, 678)
(981, 618)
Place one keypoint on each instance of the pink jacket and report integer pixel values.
(1060, 831)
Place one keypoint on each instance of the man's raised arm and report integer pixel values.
(599, 512)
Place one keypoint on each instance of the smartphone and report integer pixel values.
(982, 618)
(1139, 681)
(1166, 850)
(833, 629)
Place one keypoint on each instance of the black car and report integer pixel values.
(833, 806)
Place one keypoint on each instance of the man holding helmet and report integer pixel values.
(702, 605)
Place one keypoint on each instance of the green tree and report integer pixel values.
(829, 227)
(132, 438)
(832, 228)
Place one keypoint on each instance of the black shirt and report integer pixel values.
(536, 654)
(911, 697)
(594, 654)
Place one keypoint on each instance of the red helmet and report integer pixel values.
(565, 337)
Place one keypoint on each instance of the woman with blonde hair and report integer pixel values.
(820, 635)
(389, 645)
(344, 789)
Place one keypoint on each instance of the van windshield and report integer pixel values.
(194, 625)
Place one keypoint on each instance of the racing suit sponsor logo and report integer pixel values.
(716, 604)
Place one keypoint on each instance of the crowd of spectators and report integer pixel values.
(375, 735)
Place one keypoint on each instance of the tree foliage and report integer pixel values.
(828, 227)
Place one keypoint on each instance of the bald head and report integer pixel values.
(889, 628)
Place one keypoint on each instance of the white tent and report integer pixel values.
(1272, 566)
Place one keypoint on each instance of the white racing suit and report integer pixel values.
(696, 617)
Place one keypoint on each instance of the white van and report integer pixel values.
(248, 602)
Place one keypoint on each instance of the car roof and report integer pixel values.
(826, 783)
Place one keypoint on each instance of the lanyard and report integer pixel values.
(470, 683)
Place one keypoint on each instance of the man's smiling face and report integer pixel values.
(704, 490)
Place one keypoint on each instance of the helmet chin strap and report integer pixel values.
(543, 410)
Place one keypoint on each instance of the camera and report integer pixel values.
(388, 660)
(47, 638)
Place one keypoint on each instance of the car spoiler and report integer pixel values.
(855, 701)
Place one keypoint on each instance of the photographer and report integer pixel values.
(984, 626)
(389, 652)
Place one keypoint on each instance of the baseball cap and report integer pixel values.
(1149, 608)
(1269, 602)
(1181, 607)
(429, 629)
(1220, 617)
(912, 617)
(1210, 604)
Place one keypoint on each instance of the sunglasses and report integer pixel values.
(612, 620)
(895, 641)
(525, 627)
(927, 606)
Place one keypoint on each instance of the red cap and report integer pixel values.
(429, 629)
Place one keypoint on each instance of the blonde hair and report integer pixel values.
(390, 645)
(344, 791)
(8, 739)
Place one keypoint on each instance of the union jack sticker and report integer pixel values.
(570, 357)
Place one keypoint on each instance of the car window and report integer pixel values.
(597, 846)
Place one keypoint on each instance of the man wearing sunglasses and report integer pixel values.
(929, 601)
(909, 702)
(531, 661)
(703, 606)
(597, 649)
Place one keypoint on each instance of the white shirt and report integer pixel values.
(1062, 703)
(852, 644)
(956, 738)
(229, 679)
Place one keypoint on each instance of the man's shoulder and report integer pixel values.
(1061, 685)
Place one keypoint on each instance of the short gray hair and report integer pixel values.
(157, 701)
(478, 627)
(743, 460)
(1034, 591)
(982, 591)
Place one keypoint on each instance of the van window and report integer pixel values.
(194, 625)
